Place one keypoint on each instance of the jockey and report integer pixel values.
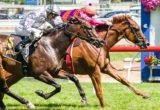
(86, 13)
(31, 27)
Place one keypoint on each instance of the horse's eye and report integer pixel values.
(136, 29)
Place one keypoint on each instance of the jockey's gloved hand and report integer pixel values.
(36, 34)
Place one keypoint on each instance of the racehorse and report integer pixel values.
(98, 60)
(46, 57)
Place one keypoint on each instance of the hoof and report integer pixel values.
(30, 106)
(84, 102)
(146, 96)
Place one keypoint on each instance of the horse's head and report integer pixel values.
(77, 27)
(129, 29)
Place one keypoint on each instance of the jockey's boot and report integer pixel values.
(24, 48)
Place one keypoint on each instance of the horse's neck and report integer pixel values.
(111, 38)
(61, 42)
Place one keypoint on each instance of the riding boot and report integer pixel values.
(24, 48)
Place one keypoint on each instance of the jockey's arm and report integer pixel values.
(29, 26)
(91, 20)
(35, 20)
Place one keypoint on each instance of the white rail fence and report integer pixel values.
(8, 26)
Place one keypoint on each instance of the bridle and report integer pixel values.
(122, 33)
(87, 30)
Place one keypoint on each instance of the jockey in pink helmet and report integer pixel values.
(88, 12)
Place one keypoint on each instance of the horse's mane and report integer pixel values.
(53, 30)
(120, 18)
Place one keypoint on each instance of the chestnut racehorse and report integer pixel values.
(46, 59)
(98, 60)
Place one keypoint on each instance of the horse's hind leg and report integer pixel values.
(3, 86)
(5, 90)
(96, 80)
(48, 79)
(110, 71)
(74, 79)
(2, 105)
(20, 99)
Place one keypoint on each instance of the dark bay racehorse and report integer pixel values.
(88, 60)
(46, 59)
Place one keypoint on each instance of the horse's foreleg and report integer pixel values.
(2, 105)
(64, 75)
(81, 91)
(110, 71)
(96, 80)
(48, 79)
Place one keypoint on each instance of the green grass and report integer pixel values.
(116, 96)
(121, 55)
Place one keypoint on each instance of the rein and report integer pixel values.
(88, 38)
(70, 34)
(106, 36)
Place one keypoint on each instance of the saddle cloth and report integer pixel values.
(69, 61)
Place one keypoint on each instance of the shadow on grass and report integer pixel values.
(48, 106)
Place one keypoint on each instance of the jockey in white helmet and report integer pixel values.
(54, 10)
(31, 27)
